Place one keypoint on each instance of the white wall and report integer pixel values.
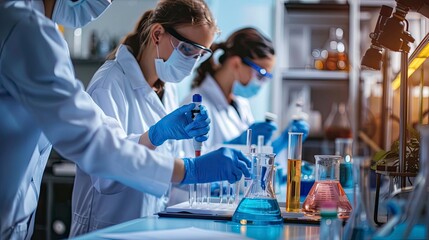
(118, 20)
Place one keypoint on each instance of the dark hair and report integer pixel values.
(246, 42)
(170, 14)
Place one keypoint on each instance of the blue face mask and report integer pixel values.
(248, 91)
(78, 13)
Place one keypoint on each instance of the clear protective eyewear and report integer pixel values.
(261, 73)
(189, 48)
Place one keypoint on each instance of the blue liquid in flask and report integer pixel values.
(258, 211)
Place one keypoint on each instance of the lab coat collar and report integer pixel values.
(131, 68)
(213, 91)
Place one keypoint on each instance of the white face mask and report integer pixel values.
(78, 13)
(176, 68)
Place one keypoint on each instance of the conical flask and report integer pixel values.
(359, 225)
(335, 51)
(327, 187)
(337, 124)
(260, 206)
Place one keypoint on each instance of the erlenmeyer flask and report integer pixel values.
(327, 187)
(337, 124)
(335, 51)
(359, 225)
(260, 206)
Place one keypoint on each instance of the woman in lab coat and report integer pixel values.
(43, 105)
(136, 86)
(245, 64)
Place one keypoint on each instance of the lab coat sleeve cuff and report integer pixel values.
(134, 138)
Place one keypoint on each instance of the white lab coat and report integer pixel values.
(41, 103)
(122, 92)
(225, 124)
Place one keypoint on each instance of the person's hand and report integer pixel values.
(295, 126)
(179, 125)
(219, 165)
(261, 128)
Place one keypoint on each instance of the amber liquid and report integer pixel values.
(323, 191)
(338, 132)
(293, 185)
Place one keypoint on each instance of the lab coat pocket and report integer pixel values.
(20, 229)
(108, 187)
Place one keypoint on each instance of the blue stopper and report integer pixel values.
(197, 98)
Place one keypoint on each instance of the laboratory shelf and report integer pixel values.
(320, 6)
(312, 74)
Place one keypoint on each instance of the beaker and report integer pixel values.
(293, 187)
(260, 206)
(327, 187)
(337, 124)
(343, 148)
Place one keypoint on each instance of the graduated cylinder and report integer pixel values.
(294, 172)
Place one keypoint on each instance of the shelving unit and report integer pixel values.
(302, 27)
(312, 74)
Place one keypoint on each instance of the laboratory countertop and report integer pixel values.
(285, 231)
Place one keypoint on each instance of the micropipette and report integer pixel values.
(193, 188)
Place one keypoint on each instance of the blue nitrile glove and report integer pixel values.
(219, 165)
(295, 126)
(179, 125)
(261, 128)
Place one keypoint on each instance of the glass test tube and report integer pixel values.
(241, 182)
(344, 148)
(294, 172)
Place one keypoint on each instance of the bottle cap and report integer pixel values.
(270, 117)
(328, 209)
(197, 98)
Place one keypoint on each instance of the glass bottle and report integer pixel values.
(330, 225)
(337, 124)
(327, 187)
(335, 51)
(260, 206)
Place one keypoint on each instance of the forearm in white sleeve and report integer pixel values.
(43, 81)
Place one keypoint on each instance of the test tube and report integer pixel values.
(270, 117)
(241, 182)
(344, 148)
(294, 172)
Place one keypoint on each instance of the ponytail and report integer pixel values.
(209, 66)
(134, 40)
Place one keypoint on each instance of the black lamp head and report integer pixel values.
(372, 58)
(391, 34)
(394, 34)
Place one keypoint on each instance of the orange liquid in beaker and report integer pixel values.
(293, 185)
(327, 190)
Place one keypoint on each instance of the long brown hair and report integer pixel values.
(170, 14)
(246, 42)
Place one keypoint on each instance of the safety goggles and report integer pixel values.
(189, 48)
(261, 73)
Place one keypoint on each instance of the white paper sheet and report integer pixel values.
(181, 233)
